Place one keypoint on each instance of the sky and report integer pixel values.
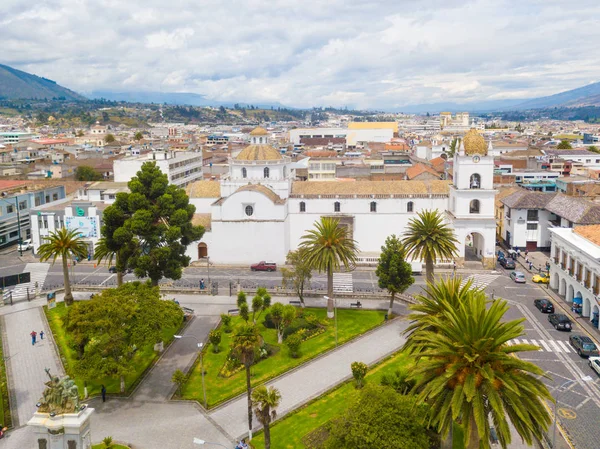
(380, 54)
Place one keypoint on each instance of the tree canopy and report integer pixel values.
(108, 330)
(87, 173)
(299, 275)
(393, 272)
(157, 216)
(564, 145)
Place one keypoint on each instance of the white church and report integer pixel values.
(258, 211)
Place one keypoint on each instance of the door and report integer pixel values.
(531, 246)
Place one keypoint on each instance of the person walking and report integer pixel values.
(33, 336)
(41, 335)
(103, 393)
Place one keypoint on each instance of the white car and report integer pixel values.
(594, 363)
(25, 245)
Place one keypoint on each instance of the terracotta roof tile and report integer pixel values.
(204, 189)
(419, 169)
(590, 232)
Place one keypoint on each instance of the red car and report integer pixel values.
(264, 266)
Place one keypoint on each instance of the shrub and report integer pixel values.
(179, 379)
(359, 371)
(107, 441)
(226, 321)
(214, 337)
(244, 311)
(399, 381)
(293, 342)
(241, 299)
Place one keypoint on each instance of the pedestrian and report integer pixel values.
(202, 284)
(530, 266)
(454, 266)
(103, 393)
(33, 335)
(41, 335)
(526, 259)
(518, 252)
(540, 269)
(526, 252)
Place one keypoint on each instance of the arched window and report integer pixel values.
(475, 182)
(260, 140)
(336, 206)
(302, 206)
(244, 173)
(373, 206)
(474, 207)
(249, 210)
(410, 206)
(266, 171)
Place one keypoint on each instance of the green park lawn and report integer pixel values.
(351, 323)
(114, 446)
(5, 418)
(290, 431)
(144, 357)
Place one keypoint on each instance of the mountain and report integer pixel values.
(582, 96)
(15, 84)
(475, 106)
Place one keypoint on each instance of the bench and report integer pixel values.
(295, 303)
(356, 304)
(233, 311)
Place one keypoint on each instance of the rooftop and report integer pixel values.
(259, 153)
(259, 131)
(419, 169)
(262, 189)
(582, 239)
(576, 210)
(526, 199)
(567, 153)
(204, 189)
(590, 232)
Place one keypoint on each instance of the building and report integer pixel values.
(181, 167)
(353, 136)
(457, 123)
(575, 268)
(16, 201)
(12, 137)
(374, 125)
(262, 210)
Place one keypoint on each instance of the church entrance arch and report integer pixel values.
(474, 247)
(202, 250)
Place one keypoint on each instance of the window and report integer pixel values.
(10, 209)
(244, 173)
(474, 207)
(302, 206)
(373, 206)
(54, 196)
(249, 210)
(508, 212)
(13, 234)
(475, 181)
(266, 172)
(336, 206)
(532, 226)
(47, 198)
(23, 205)
(409, 206)
(532, 215)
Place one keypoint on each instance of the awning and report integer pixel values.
(577, 300)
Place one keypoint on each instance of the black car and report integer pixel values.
(544, 305)
(509, 264)
(584, 346)
(560, 322)
(113, 269)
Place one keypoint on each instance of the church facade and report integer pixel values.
(259, 212)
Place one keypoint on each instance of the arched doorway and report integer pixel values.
(202, 250)
(595, 315)
(562, 289)
(474, 247)
(586, 307)
(554, 281)
(570, 294)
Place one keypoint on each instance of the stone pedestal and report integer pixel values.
(66, 431)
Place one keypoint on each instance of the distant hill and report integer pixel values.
(15, 84)
(476, 106)
(582, 96)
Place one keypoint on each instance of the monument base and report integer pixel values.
(65, 431)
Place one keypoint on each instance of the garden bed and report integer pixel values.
(351, 324)
(5, 416)
(145, 357)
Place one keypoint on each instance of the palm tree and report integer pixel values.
(326, 248)
(63, 243)
(466, 372)
(428, 238)
(246, 340)
(264, 403)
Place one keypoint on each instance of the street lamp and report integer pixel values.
(202, 442)
(18, 223)
(564, 385)
(326, 298)
(200, 344)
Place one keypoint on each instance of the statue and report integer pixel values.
(60, 395)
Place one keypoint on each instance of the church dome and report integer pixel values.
(259, 153)
(474, 143)
(258, 131)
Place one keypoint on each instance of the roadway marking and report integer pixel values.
(107, 279)
(91, 274)
(555, 346)
(545, 345)
(567, 413)
(562, 345)
(582, 403)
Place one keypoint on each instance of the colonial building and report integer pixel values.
(260, 212)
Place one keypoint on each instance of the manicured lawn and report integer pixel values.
(351, 323)
(114, 446)
(289, 432)
(5, 418)
(144, 357)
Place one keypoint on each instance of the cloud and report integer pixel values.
(369, 54)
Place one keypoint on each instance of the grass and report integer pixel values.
(351, 323)
(289, 432)
(5, 416)
(143, 359)
(568, 136)
(114, 446)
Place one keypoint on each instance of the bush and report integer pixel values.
(359, 371)
(293, 342)
(226, 321)
(107, 441)
(178, 379)
(399, 381)
(214, 337)
(241, 298)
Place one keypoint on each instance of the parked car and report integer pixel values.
(594, 363)
(25, 245)
(509, 264)
(113, 269)
(584, 346)
(560, 322)
(264, 266)
(501, 256)
(518, 277)
(541, 279)
(544, 305)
